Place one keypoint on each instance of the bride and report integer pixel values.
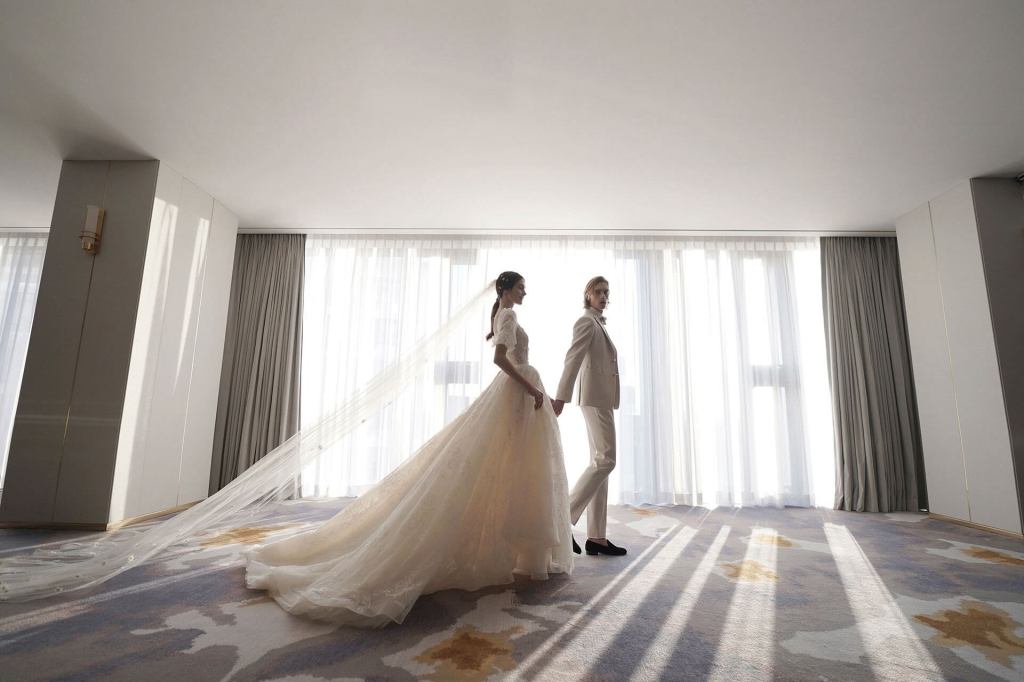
(484, 499)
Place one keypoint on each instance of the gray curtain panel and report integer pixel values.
(258, 407)
(879, 463)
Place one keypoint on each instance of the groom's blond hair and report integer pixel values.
(594, 281)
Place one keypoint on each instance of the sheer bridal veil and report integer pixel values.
(84, 563)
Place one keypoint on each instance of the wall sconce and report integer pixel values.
(90, 234)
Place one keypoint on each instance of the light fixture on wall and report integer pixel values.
(90, 234)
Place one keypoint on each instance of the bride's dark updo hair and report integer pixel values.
(505, 281)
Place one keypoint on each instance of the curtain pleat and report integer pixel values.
(879, 462)
(258, 408)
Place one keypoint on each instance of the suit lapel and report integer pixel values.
(607, 336)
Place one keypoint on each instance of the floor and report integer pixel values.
(728, 594)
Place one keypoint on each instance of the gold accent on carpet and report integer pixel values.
(772, 539)
(472, 655)
(982, 626)
(250, 535)
(993, 556)
(644, 512)
(749, 571)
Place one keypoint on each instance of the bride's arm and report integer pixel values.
(502, 361)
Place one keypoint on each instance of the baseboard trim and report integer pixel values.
(977, 526)
(152, 515)
(49, 525)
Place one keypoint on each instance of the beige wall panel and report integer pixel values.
(83, 493)
(999, 209)
(128, 494)
(181, 300)
(197, 446)
(940, 435)
(38, 446)
(982, 417)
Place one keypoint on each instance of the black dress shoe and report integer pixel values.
(594, 548)
(576, 548)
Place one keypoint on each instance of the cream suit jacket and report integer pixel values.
(592, 356)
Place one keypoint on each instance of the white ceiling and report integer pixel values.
(780, 115)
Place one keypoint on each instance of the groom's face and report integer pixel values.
(599, 296)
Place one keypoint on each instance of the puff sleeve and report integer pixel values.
(505, 329)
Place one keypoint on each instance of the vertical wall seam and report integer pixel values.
(949, 359)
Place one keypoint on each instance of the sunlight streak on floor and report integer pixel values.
(597, 637)
(594, 619)
(659, 652)
(888, 637)
(746, 645)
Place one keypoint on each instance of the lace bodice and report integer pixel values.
(508, 332)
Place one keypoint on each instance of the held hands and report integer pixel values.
(557, 406)
(538, 397)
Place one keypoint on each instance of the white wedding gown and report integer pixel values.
(483, 499)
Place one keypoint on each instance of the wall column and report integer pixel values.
(963, 289)
(116, 414)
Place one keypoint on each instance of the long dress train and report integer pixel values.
(483, 499)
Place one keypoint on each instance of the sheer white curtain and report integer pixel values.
(21, 263)
(732, 400)
(725, 397)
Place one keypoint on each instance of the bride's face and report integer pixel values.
(517, 293)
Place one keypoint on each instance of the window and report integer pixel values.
(725, 395)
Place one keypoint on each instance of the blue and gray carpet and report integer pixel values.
(749, 594)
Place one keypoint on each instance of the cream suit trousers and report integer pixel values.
(591, 491)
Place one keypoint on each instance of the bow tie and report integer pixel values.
(602, 319)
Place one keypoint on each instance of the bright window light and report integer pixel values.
(724, 386)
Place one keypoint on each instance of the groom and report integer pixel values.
(593, 357)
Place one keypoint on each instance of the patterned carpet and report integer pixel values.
(749, 594)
